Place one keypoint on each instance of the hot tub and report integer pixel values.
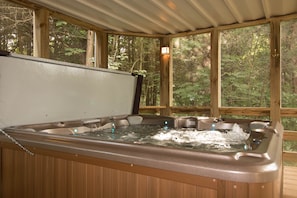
(253, 159)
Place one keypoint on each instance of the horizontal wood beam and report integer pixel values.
(201, 110)
(290, 135)
(250, 111)
(152, 107)
(288, 112)
(290, 157)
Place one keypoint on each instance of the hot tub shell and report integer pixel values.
(259, 167)
(253, 166)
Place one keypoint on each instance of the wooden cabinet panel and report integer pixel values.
(153, 187)
(61, 178)
(261, 190)
(94, 182)
(26, 176)
(170, 189)
(236, 189)
(206, 193)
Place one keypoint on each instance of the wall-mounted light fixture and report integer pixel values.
(164, 50)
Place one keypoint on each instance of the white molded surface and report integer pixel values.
(36, 90)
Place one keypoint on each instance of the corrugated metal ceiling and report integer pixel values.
(168, 16)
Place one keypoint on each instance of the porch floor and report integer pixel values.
(290, 182)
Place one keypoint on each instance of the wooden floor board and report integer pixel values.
(290, 182)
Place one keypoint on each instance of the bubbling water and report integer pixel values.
(232, 140)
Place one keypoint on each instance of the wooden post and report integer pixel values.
(41, 33)
(101, 52)
(215, 74)
(166, 78)
(90, 49)
(275, 72)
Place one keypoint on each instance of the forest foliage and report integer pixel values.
(191, 70)
(139, 55)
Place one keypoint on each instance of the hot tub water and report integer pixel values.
(232, 140)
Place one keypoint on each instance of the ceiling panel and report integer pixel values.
(168, 16)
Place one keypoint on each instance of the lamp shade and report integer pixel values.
(165, 50)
